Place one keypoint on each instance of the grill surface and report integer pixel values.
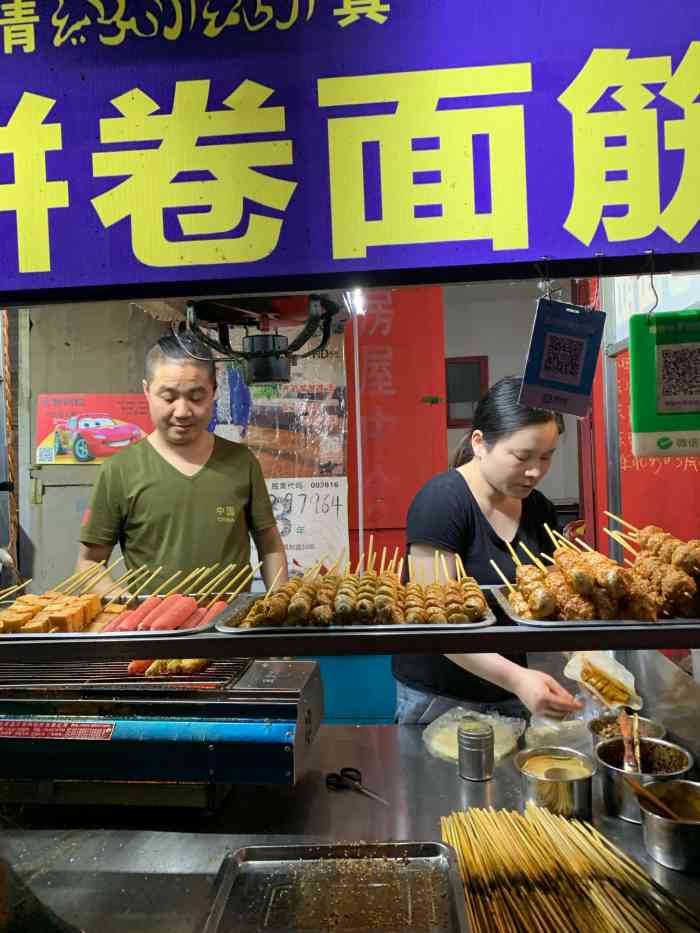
(86, 675)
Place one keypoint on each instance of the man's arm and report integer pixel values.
(90, 555)
(273, 556)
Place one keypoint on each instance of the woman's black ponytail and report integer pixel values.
(499, 414)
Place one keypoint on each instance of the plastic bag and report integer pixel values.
(588, 667)
(567, 733)
(440, 736)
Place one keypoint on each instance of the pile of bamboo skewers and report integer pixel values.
(537, 872)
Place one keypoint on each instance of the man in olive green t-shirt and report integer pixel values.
(181, 498)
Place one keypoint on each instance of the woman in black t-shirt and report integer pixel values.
(488, 498)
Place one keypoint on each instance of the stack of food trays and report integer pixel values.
(73, 607)
(580, 585)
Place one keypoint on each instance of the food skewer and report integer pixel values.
(137, 575)
(620, 520)
(511, 551)
(394, 558)
(142, 586)
(445, 568)
(511, 588)
(538, 563)
(272, 586)
(621, 541)
(564, 542)
(125, 578)
(83, 578)
(246, 580)
(78, 573)
(93, 583)
(14, 589)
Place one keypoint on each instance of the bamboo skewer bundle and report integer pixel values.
(540, 872)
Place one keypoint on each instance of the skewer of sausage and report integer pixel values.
(177, 613)
(159, 602)
(130, 577)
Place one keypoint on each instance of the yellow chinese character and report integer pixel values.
(616, 155)
(219, 200)
(683, 211)
(427, 176)
(18, 20)
(353, 10)
(231, 511)
(27, 138)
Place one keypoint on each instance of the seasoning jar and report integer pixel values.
(475, 745)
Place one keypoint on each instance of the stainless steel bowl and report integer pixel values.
(648, 728)
(566, 796)
(661, 761)
(674, 844)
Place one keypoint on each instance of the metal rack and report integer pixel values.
(499, 638)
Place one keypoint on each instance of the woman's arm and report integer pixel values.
(538, 691)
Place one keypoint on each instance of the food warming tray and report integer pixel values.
(229, 619)
(397, 887)
(43, 636)
(501, 595)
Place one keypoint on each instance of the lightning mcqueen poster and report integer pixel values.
(74, 428)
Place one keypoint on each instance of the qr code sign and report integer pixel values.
(562, 358)
(678, 377)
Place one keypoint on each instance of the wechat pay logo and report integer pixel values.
(664, 443)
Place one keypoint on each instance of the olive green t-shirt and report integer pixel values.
(162, 518)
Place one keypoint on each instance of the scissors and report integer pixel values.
(351, 779)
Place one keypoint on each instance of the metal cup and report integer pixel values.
(674, 844)
(475, 744)
(565, 796)
(618, 797)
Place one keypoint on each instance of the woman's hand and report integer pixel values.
(543, 695)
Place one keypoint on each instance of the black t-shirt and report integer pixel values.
(445, 515)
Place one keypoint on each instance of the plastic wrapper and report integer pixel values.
(566, 733)
(608, 680)
(440, 736)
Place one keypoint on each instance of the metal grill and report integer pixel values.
(84, 675)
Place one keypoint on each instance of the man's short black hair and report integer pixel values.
(185, 348)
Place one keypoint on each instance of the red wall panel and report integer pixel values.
(404, 438)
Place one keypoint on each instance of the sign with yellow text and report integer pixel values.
(148, 142)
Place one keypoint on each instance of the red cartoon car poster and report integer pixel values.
(73, 428)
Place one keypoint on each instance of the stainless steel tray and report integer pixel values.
(229, 619)
(43, 636)
(501, 595)
(394, 887)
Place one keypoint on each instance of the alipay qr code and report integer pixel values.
(562, 358)
(678, 378)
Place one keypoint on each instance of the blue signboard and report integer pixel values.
(157, 141)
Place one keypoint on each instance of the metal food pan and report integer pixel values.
(501, 595)
(397, 887)
(230, 618)
(24, 636)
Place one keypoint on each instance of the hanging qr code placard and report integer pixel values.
(665, 384)
(562, 357)
(678, 377)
